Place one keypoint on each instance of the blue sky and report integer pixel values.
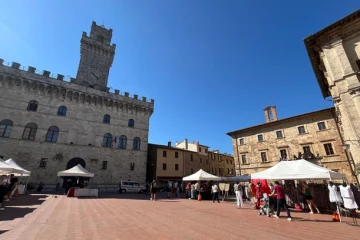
(211, 66)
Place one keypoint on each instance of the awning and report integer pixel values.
(7, 169)
(77, 171)
(297, 169)
(201, 175)
(12, 163)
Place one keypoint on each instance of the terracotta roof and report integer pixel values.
(231, 134)
(313, 52)
(166, 146)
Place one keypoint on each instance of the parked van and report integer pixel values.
(131, 186)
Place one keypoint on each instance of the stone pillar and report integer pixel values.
(343, 59)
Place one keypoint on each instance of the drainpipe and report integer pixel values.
(237, 152)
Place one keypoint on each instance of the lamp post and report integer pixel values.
(346, 148)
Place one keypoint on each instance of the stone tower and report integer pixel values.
(270, 114)
(97, 56)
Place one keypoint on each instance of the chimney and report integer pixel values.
(169, 144)
(270, 114)
(186, 144)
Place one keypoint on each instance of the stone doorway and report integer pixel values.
(74, 180)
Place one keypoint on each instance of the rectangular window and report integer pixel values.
(242, 141)
(358, 63)
(199, 149)
(306, 149)
(132, 166)
(43, 162)
(260, 138)
(328, 149)
(104, 165)
(164, 166)
(231, 162)
(164, 153)
(177, 167)
(176, 154)
(263, 157)
(283, 154)
(200, 160)
(243, 159)
(227, 161)
(301, 129)
(279, 134)
(212, 156)
(321, 126)
(228, 171)
(206, 150)
(191, 157)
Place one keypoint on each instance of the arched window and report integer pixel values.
(107, 140)
(122, 142)
(32, 106)
(52, 134)
(136, 143)
(30, 131)
(62, 111)
(106, 118)
(131, 123)
(5, 128)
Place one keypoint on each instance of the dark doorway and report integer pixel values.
(74, 181)
(75, 161)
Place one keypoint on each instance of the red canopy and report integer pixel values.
(264, 185)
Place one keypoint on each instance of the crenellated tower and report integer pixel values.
(96, 58)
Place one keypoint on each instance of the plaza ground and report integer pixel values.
(125, 216)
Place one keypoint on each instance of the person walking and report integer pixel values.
(238, 193)
(281, 202)
(309, 198)
(215, 192)
(153, 190)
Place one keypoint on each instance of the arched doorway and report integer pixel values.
(75, 161)
(71, 181)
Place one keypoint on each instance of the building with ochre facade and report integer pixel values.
(313, 136)
(48, 124)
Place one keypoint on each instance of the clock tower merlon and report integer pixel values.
(96, 58)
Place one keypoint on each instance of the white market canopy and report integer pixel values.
(297, 169)
(77, 171)
(13, 164)
(7, 169)
(236, 179)
(201, 175)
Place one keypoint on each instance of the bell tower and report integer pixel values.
(96, 58)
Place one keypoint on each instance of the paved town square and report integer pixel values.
(125, 216)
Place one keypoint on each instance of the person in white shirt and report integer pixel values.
(215, 192)
(238, 193)
(197, 189)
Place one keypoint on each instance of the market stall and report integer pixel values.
(205, 180)
(6, 169)
(25, 173)
(78, 171)
(298, 170)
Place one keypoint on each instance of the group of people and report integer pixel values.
(8, 188)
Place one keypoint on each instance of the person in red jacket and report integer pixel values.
(281, 201)
(258, 194)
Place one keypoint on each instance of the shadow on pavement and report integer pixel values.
(20, 206)
(3, 231)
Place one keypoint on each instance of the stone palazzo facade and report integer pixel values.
(313, 136)
(48, 124)
(334, 53)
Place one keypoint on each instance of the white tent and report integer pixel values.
(236, 179)
(297, 169)
(12, 163)
(77, 171)
(7, 169)
(201, 175)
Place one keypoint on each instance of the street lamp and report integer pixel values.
(345, 146)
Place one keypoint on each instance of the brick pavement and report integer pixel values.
(135, 217)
